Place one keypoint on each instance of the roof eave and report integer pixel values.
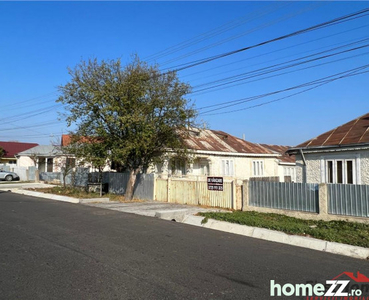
(296, 150)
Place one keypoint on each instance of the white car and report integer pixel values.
(8, 176)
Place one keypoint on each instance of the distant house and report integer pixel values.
(217, 153)
(66, 140)
(46, 158)
(286, 163)
(340, 155)
(11, 149)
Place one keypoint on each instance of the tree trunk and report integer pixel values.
(131, 184)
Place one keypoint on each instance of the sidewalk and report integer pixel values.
(187, 214)
(5, 185)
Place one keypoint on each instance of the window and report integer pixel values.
(257, 168)
(349, 172)
(70, 162)
(227, 167)
(340, 171)
(290, 173)
(178, 167)
(329, 171)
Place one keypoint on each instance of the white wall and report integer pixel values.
(25, 161)
(242, 166)
(316, 165)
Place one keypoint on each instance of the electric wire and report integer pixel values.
(260, 27)
(216, 31)
(339, 20)
(267, 70)
(315, 83)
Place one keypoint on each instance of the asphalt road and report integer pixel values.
(53, 250)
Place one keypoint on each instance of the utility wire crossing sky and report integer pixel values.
(276, 72)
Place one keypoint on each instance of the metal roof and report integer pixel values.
(281, 150)
(41, 150)
(220, 141)
(351, 133)
(211, 141)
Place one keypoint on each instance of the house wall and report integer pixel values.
(25, 161)
(287, 170)
(364, 167)
(315, 165)
(242, 167)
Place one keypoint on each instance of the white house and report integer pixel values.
(340, 155)
(46, 158)
(286, 163)
(216, 153)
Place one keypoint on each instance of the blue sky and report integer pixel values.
(39, 40)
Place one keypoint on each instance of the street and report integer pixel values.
(54, 250)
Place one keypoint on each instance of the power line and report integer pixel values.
(339, 20)
(260, 27)
(216, 31)
(274, 51)
(315, 83)
(274, 68)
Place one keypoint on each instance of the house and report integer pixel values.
(11, 149)
(286, 163)
(217, 153)
(340, 155)
(46, 158)
(66, 140)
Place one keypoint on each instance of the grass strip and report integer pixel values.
(350, 233)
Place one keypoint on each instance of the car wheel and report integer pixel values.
(9, 178)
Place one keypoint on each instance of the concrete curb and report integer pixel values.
(280, 237)
(175, 214)
(94, 200)
(46, 196)
(59, 198)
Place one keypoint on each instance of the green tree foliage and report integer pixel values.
(2, 152)
(133, 114)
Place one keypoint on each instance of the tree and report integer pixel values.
(89, 152)
(2, 152)
(135, 112)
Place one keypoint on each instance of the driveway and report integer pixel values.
(151, 209)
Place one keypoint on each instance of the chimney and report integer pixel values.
(243, 136)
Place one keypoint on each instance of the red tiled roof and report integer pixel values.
(281, 150)
(353, 132)
(12, 148)
(66, 139)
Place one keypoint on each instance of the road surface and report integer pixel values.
(54, 250)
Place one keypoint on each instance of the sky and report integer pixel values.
(293, 87)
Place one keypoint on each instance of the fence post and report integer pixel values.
(37, 176)
(155, 178)
(234, 195)
(168, 194)
(323, 200)
(245, 195)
